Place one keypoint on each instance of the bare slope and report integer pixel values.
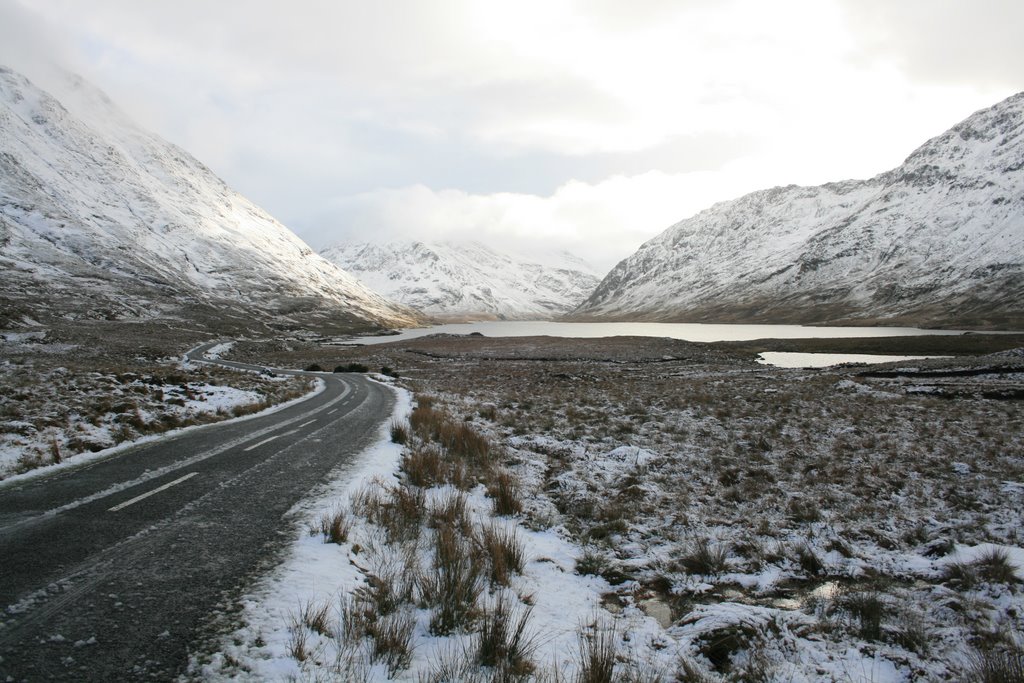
(938, 241)
(100, 219)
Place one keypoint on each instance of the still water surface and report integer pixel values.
(786, 359)
(695, 332)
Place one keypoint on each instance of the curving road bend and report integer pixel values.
(117, 569)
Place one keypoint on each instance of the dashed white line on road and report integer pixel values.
(306, 423)
(331, 412)
(267, 440)
(158, 489)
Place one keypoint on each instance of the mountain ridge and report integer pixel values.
(937, 241)
(468, 280)
(100, 219)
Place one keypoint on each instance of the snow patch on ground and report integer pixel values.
(206, 398)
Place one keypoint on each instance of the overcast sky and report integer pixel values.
(590, 125)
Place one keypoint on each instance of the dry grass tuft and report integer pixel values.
(334, 526)
(503, 643)
(455, 583)
(503, 489)
(704, 559)
(504, 551)
(597, 654)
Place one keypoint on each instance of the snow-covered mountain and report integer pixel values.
(468, 280)
(100, 219)
(938, 241)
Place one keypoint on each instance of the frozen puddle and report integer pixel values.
(785, 359)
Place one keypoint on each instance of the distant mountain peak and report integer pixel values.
(468, 280)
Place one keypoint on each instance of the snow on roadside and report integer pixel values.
(313, 571)
(201, 399)
(220, 350)
(319, 573)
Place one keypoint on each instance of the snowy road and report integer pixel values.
(112, 570)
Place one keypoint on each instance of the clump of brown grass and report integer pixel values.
(503, 489)
(398, 509)
(704, 559)
(334, 526)
(455, 583)
(503, 642)
(597, 653)
(504, 551)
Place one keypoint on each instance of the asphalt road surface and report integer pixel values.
(119, 569)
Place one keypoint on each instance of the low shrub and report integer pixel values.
(298, 637)
(867, 609)
(808, 560)
(352, 367)
(462, 441)
(392, 640)
(317, 617)
(997, 665)
(423, 466)
(804, 511)
(399, 433)
(994, 566)
(960, 574)
(592, 563)
(721, 646)
(398, 509)
(451, 512)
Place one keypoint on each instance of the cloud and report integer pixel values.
(601, 222)
(29, 44)
(975, 43)
(586, 123)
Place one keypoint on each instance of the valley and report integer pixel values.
(209, 472)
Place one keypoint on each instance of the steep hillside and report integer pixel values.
(938, 241)
(102, 220)
(467, 280)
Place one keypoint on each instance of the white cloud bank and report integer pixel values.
(601, 223)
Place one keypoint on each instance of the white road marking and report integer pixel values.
(182, 464)
(267, 440)
(158, 489)
(331, 412)
(306, 423)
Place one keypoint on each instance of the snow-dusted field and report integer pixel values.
(698, 517)
(56, 414)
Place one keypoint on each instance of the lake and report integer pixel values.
(696, 332)
(788, 359)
